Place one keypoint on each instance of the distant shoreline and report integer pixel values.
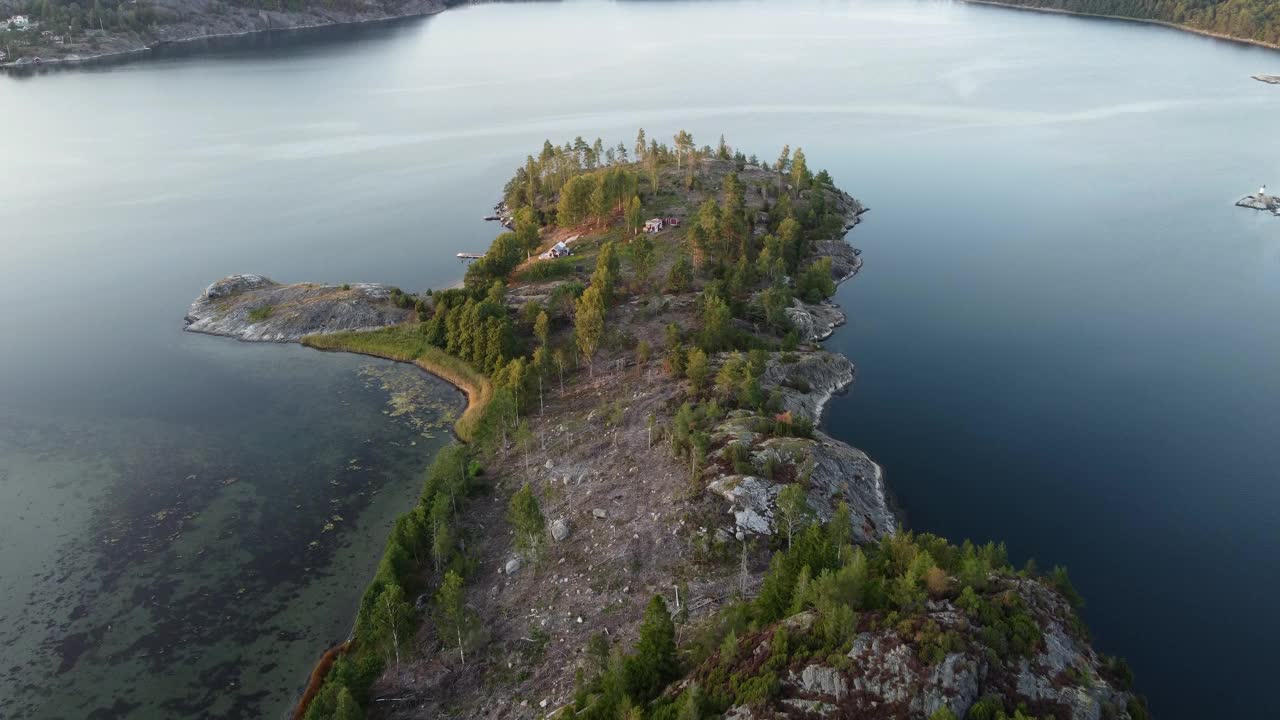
(26, 64)
(1144, 21)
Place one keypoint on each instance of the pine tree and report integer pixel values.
(642, 260)
(654, 662)
(681, 275)
(347, 707)
(715, 322)
(525, 516)
(589, 324)
(696, 369)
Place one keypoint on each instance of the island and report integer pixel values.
(1261, 200)
(1268, 79)
(42, 33)
(642, 517)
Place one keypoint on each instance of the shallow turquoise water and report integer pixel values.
(1064, 331)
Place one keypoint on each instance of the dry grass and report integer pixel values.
(405, 343)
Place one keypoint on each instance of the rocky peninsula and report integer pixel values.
(255, 308)
(646, 515)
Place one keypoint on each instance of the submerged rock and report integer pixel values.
(255, 308)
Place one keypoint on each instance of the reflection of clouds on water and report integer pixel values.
(964, 79)
(953, 117)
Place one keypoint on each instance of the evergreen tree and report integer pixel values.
(642, 259)
(715, 322)
(654, 662)
(696, 369)
(606, 272)
(589, 324)
(575, 201)
(525, 516)
(347, 708)
(680, 277)
(791, 242)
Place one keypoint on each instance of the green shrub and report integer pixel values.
(549, 269)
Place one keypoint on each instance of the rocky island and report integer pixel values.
(644, 520)
(255, 308)
(1261, 200)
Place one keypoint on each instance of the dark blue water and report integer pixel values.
(1065, 334)
(1070, 345)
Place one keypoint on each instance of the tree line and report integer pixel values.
(1247, 19)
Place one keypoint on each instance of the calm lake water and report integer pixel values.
(1066, 335)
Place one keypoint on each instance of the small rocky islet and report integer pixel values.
(628, 519)
(257, 309)
(1261, 200)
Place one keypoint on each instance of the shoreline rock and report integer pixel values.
(836, 470)
(254, 308)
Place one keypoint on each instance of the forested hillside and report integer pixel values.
(1257, 20)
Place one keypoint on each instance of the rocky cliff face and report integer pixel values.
(255, 308)
(833, 471)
